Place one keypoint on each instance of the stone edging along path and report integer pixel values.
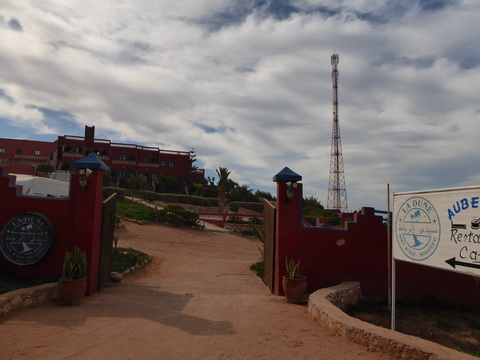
(40, 294)
(326, 307)
(28, 297)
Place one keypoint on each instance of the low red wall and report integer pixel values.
(56, 210)
(358, 253)
(417, 281)
(76, 222)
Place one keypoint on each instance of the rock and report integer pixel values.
(116, 277)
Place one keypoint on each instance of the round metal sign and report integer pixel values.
(26, 238)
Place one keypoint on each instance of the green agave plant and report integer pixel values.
(293, 268)
(74, 265)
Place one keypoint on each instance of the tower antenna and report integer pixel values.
(337, 190)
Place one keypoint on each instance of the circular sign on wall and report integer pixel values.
(26, 238)
(417, 228)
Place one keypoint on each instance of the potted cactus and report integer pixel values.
(294, 284)
(73, 283)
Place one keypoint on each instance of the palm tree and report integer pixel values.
(197, 188)
(312, 206)
(242, 193)
(223, 174)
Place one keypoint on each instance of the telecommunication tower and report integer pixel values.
(337, 190)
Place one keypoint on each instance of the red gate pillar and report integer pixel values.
(87, 224)
(288, 222)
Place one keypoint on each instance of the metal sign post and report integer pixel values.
(391, 264)
(392, 321)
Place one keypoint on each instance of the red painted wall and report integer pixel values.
(27, 148)
(58, 211)
(22, 156)
(358, 253)
(76, 222)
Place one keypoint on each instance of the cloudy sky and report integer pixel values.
(247, 84)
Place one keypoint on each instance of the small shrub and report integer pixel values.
(134, 211)
(178, 198)
(293, 268)
(259, 268)
(248, 233)
(74, 265)
(476, 335)
(235, 220)
(177, 216)
(107, 191)
(243, 220)
(254, 206)
(45, 168)
(256, 221)
(125, 258)
(445, 325)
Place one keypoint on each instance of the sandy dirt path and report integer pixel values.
(197, 299)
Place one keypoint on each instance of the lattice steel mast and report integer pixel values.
(337, 190)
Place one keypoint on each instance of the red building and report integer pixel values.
(23, 156)
(124, 160)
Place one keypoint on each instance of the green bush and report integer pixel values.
(132, 193)
(107, 191)
(131, 210)
(168, 184)
(256, 221)
(312, 220)
(175, 215)
(178, 198)
(244, 220)
(236, 220)
(46, 168)
(125, 258)
(259, 268)
(254, 206)
(331, 218)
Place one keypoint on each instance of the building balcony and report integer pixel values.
(73, 155)
(152, 165)
(31, 157)
(124, 162)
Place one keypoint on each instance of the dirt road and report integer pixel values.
(197, 299)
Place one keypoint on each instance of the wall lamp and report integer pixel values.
(83, 179)
(291, 186)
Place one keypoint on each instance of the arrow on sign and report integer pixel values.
(452, 262)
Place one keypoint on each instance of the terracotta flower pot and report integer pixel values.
(294, 288)
(71, 292)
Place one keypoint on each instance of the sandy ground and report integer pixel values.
(197, 299)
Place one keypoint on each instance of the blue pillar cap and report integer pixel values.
(287, 175)
(91, 161)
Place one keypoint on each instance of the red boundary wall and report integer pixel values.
(76, 222)
(358, 253)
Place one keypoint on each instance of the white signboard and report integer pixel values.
(439, 228)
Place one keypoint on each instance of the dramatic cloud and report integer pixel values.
(248, 84)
